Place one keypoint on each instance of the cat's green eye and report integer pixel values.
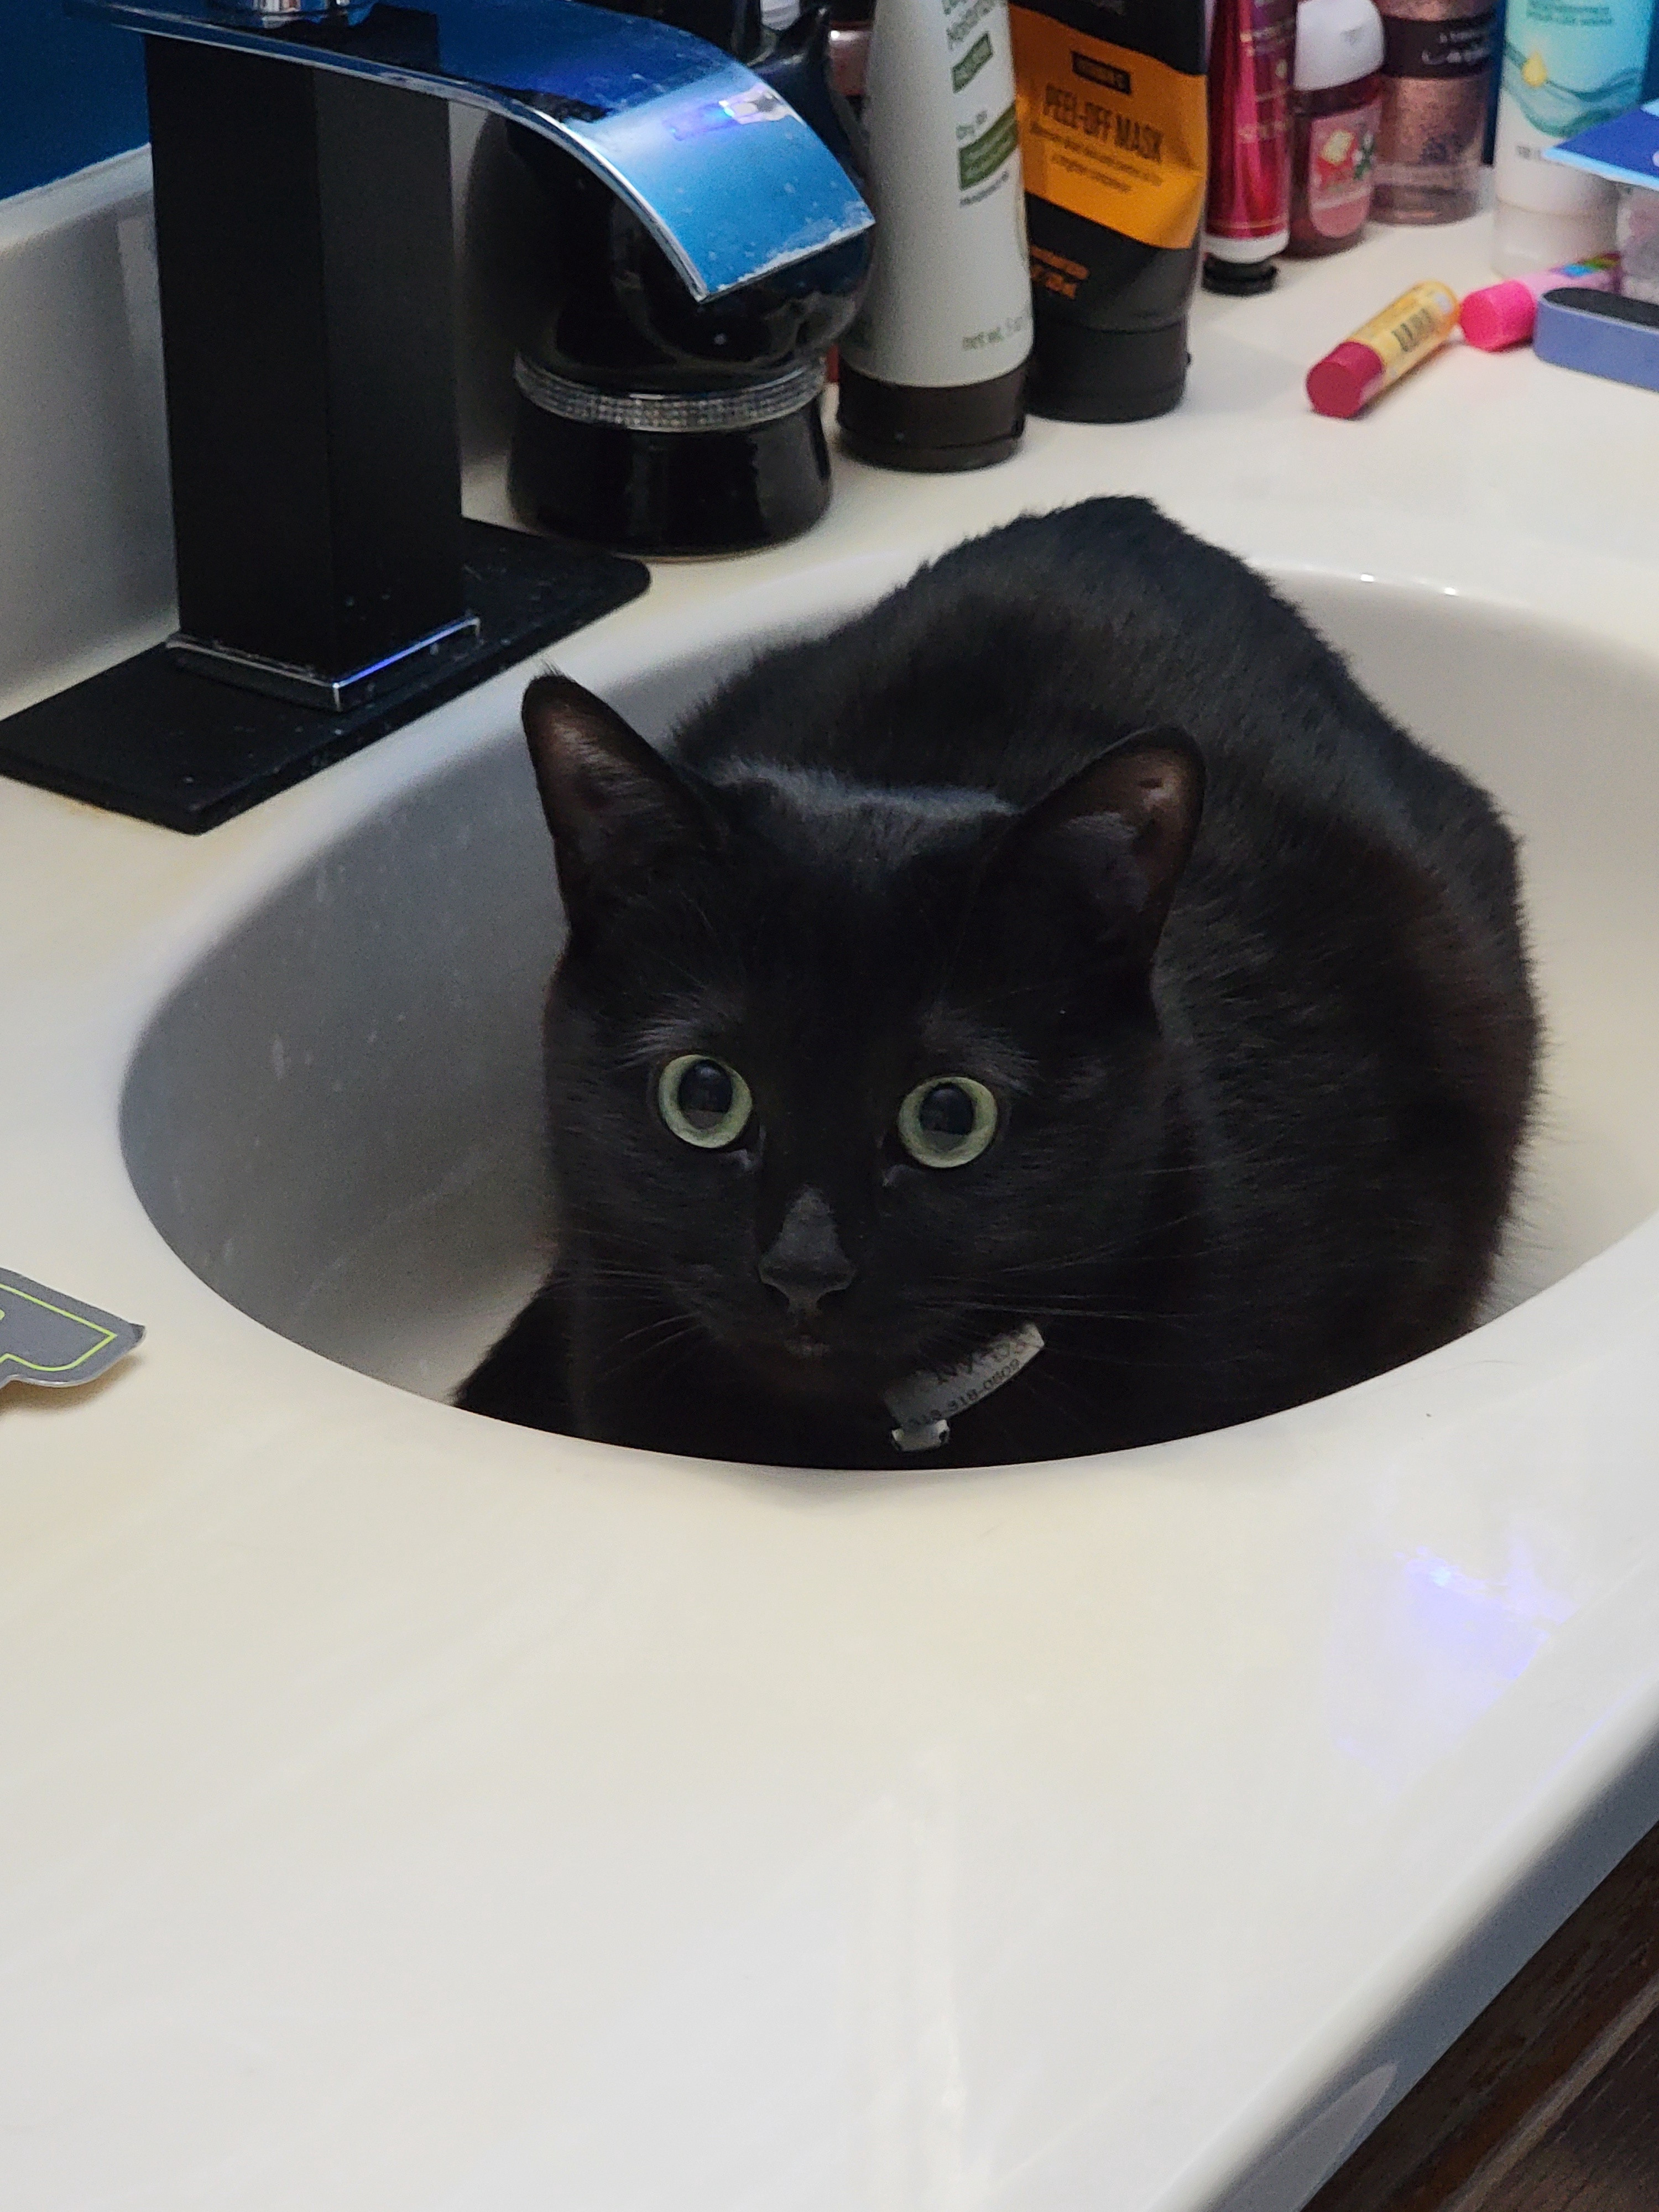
(703, 1102)
(947, 1122)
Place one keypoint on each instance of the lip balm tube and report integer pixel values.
(1380, 352)
(1500, 315)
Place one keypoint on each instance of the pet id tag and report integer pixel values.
(923, 1405)
(46, 1337)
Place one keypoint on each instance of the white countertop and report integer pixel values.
(405, 1813)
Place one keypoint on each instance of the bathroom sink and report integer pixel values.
(589, 1827)
(335, 1120)
(407, 1813)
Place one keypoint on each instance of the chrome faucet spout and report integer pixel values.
(727, 179)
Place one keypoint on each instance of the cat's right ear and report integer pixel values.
(1125, 824)
(618, 811)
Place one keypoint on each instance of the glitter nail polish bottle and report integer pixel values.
(1436, 75)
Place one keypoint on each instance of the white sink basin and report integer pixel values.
(336, 1120)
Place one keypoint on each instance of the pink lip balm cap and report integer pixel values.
(1349, 375)
(1498, 316)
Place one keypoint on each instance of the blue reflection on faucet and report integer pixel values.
(727, 179)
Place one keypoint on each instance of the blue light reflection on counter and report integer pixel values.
(1422, 1648)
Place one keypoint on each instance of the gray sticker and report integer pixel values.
(46, 1337)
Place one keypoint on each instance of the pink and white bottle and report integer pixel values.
(1336, 106)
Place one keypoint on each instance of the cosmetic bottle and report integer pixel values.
(933, 370)
(1437, 74)
(1638, 243)
(1113, 137)
(849, 49)
(1564, 70)
(1247, 213)
(1336, 103)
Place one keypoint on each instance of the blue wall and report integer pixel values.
(70, 93)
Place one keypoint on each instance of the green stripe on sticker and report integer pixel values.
(983, 156)
(972, 62)
(46, 1337)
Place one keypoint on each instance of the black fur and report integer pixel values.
(1252, 1159)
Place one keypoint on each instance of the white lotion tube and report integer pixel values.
(1564, 70)
(933, 371)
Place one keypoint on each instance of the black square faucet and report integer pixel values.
(329, 588)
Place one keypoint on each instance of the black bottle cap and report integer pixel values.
(1239, 280)
(932, 427)
(1080, 375)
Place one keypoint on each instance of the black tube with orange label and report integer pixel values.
(1113, 137)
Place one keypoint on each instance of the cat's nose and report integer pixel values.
(805, 1263)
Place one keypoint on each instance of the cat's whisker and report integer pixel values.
(673, 1323)
(641, 1352)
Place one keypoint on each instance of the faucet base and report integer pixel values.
(153, 738)
(330, 695)
(671, 496)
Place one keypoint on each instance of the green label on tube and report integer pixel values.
(984, 156)
(972, 62)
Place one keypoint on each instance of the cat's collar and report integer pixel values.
(923, 1405)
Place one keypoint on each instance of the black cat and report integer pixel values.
(911, 1018)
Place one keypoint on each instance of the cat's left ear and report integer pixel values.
(1149, 784)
